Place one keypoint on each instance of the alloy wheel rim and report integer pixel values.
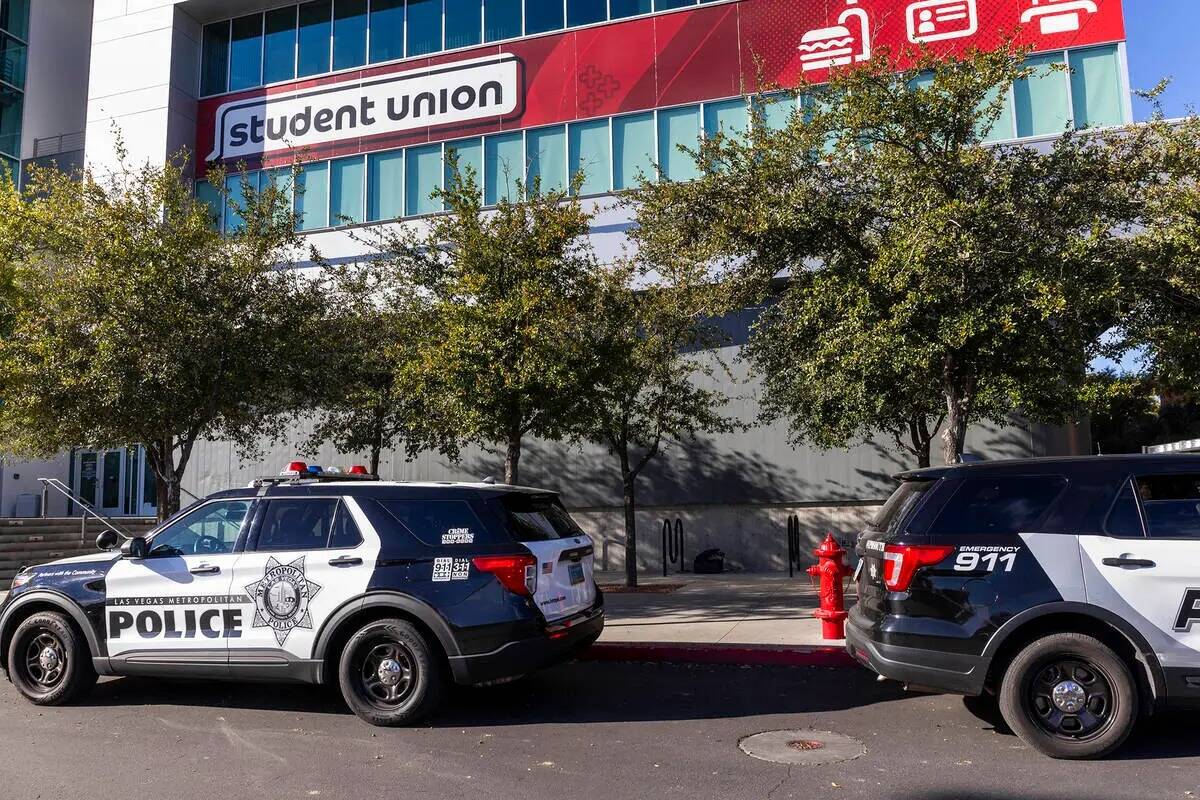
(388, 673)
(45, 659)
(1070, 698)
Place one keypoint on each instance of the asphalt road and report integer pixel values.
(587, 730)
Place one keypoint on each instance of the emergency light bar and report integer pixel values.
(298, 472)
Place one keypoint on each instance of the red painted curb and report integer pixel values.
(756, 655)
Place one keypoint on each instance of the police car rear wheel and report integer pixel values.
(388, 674)
(1070, 696)
(48, 661)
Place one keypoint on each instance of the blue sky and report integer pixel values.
(1164, 42)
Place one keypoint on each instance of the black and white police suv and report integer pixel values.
(1064, 591)
(388, 589)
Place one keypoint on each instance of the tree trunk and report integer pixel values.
(921, 439)
(512, 459)
(376, 450)
(161, 497)
(630, 500)
(958, 413)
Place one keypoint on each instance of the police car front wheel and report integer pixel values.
(389, 674)
(48, 660)
(1069, 695)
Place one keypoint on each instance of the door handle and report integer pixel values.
(1137, 563)
(205, 569)
(345, 561)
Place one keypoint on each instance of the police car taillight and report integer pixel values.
(902, 561)
(296, 468)
(518, 574)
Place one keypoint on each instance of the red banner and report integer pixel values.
(701, 53)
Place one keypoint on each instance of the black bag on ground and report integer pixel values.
(709, 562)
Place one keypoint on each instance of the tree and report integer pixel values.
(649, 386)
(143, 324)
(928, 275)
(507, 354)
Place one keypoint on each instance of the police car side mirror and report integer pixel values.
(134, 548)
(108, 540)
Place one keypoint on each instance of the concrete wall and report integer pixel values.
(60, 37)
(20, 477)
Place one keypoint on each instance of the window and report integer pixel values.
(633, 149)
(1041, 99)
(245, 53)
(312, 196)
(1172, 505)
(501, 19)
(1123, 519)
(279, 179)
(628, 8)
(215, 72)
(279, 45)
(208, 194)
(1004, 125)
(666, 5)
(349, 33)
(424, 26)
(431, 520)
(14, 17)
(300, 524)
(11, 109)
(211, 528)
(235, 186)
(999, 506)
(344, 534)
(678, 127)
(470, 160)
(386, 181)
(546, 155)
(1096, 90)
(728, 117)
(387, 30)
(543, 15)
(533, 518)
(897, 509)
(776, 110)
(503, 167)
(316, 26)
(586, 12)
(464, 23)
(588, 152)
(422, 177)
(13, 60)
(347, 190)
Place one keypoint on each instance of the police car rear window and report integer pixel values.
(534, 518)
(438, 522)
(900, 506)
(1000, 505)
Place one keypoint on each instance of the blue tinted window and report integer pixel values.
(503, 167)
(208, 194)
(312, 196)
(422, 177)
(279, 45)
(1096, 91)
(728, 117)
(215, 72)
(546, 156)
(665, 5)
(501, 19)
(424, 26)
(588, 152)
(464, 23)
(776, 110)
(315, 29)
(585, 12)
(386, 182)
(279, 178)
(628, 8)
(1001, 506)
(346, 190)
(14, 17)
(633, 149)
(1003, 128)
(470, 160)
(678, 127)
(349, 33)
(245, 59)
(543, 15)
(1041, 99)
(387, 30)
(235, 186)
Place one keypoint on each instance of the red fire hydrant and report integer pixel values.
(830, 569)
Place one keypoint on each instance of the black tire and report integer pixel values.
(1069, 695)
(48, 660)
(366, 676)
(986, 708)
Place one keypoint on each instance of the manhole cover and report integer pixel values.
(802, 747)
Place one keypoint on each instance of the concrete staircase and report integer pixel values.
(25, 542)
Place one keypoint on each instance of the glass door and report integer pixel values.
(115, 483)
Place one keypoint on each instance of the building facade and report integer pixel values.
(373, 96)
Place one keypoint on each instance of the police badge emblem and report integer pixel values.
(281, 598)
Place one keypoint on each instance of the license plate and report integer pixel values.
(576, 573)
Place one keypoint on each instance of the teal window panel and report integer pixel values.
(349, 33)
(586, 12)
(312, 196)
(1041, 99)
(730, 117)
(347, 190)
(245, 53)
(503, 166)
(464, 23)
(1005, 125)
(618, 9)
(633, 149)
(387, 30)
(235, 194)
(546, 155)
(14, 60)
(316, 28)
(678, 127)
(424, 26)
(501, 19)
(385, 179)
(543, 15)
(776, 110)
(422, 177)
(470, 160)
(1097, 93)
(210, 197)
(589, 152)
(279, 45)
(922, 80)
(214, 73)
(280, 178)
(666, 5)
(14, 17)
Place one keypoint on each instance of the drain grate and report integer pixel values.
(802, 748)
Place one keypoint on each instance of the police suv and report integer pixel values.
(1062, 593)
(388, 589)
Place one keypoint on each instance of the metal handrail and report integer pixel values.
(62, 488)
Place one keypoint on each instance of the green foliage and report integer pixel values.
(929, 276)
(141, 323)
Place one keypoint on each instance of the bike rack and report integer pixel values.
(793, 544)
(672, 545)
